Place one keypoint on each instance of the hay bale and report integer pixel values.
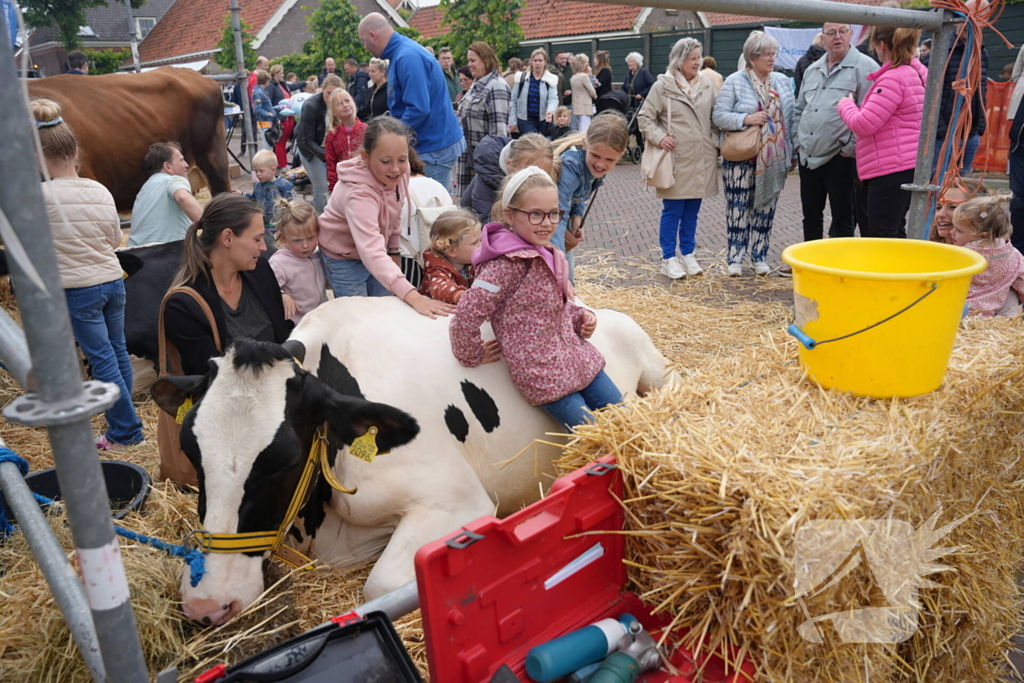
(722, 471)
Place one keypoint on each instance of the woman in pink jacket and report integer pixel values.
(522, 286)
(888, 125)
(360, 228)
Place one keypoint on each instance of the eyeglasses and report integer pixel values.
(537, 217)
(836, 34)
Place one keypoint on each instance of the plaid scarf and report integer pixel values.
(772, 160)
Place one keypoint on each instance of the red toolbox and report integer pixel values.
(497, 588)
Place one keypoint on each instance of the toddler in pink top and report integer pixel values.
(296, 263)
(983, 225)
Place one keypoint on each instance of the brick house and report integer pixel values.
(192, 28)
(107, 28)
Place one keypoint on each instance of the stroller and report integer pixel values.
(620, 101)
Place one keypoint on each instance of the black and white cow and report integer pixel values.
(370, 361)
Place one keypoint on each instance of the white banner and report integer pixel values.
(793, 43)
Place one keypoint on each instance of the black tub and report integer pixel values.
(127, 486)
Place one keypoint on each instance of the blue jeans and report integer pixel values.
(970, 151)
(679, 218)
(349, 277)
(1017, 202)
(575, 409)
(97, 319)
(316, 171)
(526, 126)
(439, 164)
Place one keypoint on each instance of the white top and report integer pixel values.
(156, 217)
(428, 192)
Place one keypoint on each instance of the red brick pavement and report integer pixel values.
(622, 228)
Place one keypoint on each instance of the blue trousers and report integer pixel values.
(527, 126)
(970, 151)
(316, 171)
(679, 220)
(439, 164)
(97, 319)
(349, 277)
(575, 409)
(746, 225)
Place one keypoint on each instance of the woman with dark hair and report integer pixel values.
(887, 125)
(466, 81)
(483, 110)
(603, 69)
(280, 90)
(223, 291)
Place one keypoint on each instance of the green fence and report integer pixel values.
(725, 44)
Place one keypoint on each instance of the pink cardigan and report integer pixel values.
(1005, 271)
(888, 123)
(363, 221)
(537, 330)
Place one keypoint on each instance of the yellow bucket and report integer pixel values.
(878, 317)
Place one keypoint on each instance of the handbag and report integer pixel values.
(740, 145)
(657, 168)
(174, 464)
(274, 134)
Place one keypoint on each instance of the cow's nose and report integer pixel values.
(210, 612)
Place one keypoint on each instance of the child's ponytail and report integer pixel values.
(288, 215)
(607, 128)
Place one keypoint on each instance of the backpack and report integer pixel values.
(415, 236)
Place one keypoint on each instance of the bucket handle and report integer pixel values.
(811, 344)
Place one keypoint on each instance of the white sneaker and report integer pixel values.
(761, 268)
(690, 264)
(671, 268)
(734, 270)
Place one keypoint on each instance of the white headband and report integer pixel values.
(516, 181)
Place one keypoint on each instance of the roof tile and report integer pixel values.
(191, 26)
(546, 19)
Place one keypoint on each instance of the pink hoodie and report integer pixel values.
(888, 123)
(363, 220)
(537, 327)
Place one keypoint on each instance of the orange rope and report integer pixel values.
(981, 14)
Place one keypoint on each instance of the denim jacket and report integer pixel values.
(575, 183)
(267, 194)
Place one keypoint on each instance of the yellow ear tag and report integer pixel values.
(365, 447)
(183, 409)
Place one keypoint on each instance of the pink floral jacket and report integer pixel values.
(537, 330)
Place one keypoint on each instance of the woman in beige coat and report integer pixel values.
(583, 93)
(677, 117)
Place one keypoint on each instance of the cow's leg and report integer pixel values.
(213, 162)
(347, 546)
(418, 527)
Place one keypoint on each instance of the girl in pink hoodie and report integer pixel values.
(361, 226)
(522, 287)
(888, 125)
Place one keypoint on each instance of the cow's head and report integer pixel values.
(248, 436)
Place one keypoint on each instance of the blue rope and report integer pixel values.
(195, 559)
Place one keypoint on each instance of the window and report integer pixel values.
(671, 12)
(690, 23)
(144, 25)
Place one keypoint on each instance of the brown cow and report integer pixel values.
(118, 116)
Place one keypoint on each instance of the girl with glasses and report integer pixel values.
(522, 288)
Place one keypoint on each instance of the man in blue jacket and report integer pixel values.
(417, 96)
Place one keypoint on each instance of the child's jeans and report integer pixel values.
(97, 318)
(349, 277)
(575, 409)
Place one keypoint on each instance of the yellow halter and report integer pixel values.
(257, 541)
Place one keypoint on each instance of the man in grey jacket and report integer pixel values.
(828, 169)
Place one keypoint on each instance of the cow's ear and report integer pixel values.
(350, 416)
(170, 392)
(130, 263)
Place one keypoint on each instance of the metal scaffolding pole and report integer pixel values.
(133, 33)
(242, 76)
(922, 187)
(63, 403)
(60, 575)
(804, 10)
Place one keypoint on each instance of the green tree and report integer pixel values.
(68, 16)
(495, 22)
(335, 28)
(106, 61)
(226, 57)
(301, 64)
